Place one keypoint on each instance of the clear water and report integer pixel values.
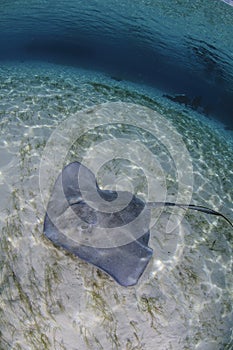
(57, 60)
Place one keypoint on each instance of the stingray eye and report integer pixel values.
(76, 200)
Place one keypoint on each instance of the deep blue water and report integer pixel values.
(183, 47)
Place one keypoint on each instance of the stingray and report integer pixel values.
(109, 229)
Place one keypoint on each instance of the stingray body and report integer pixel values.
(67, 207)
(79, 213)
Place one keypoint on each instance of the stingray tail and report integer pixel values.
(189, 206)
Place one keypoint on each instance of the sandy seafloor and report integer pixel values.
(52, 300)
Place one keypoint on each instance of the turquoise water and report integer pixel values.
(183, 47)
(59, 64)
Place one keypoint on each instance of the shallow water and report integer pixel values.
(52, 300)
(184, 47)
